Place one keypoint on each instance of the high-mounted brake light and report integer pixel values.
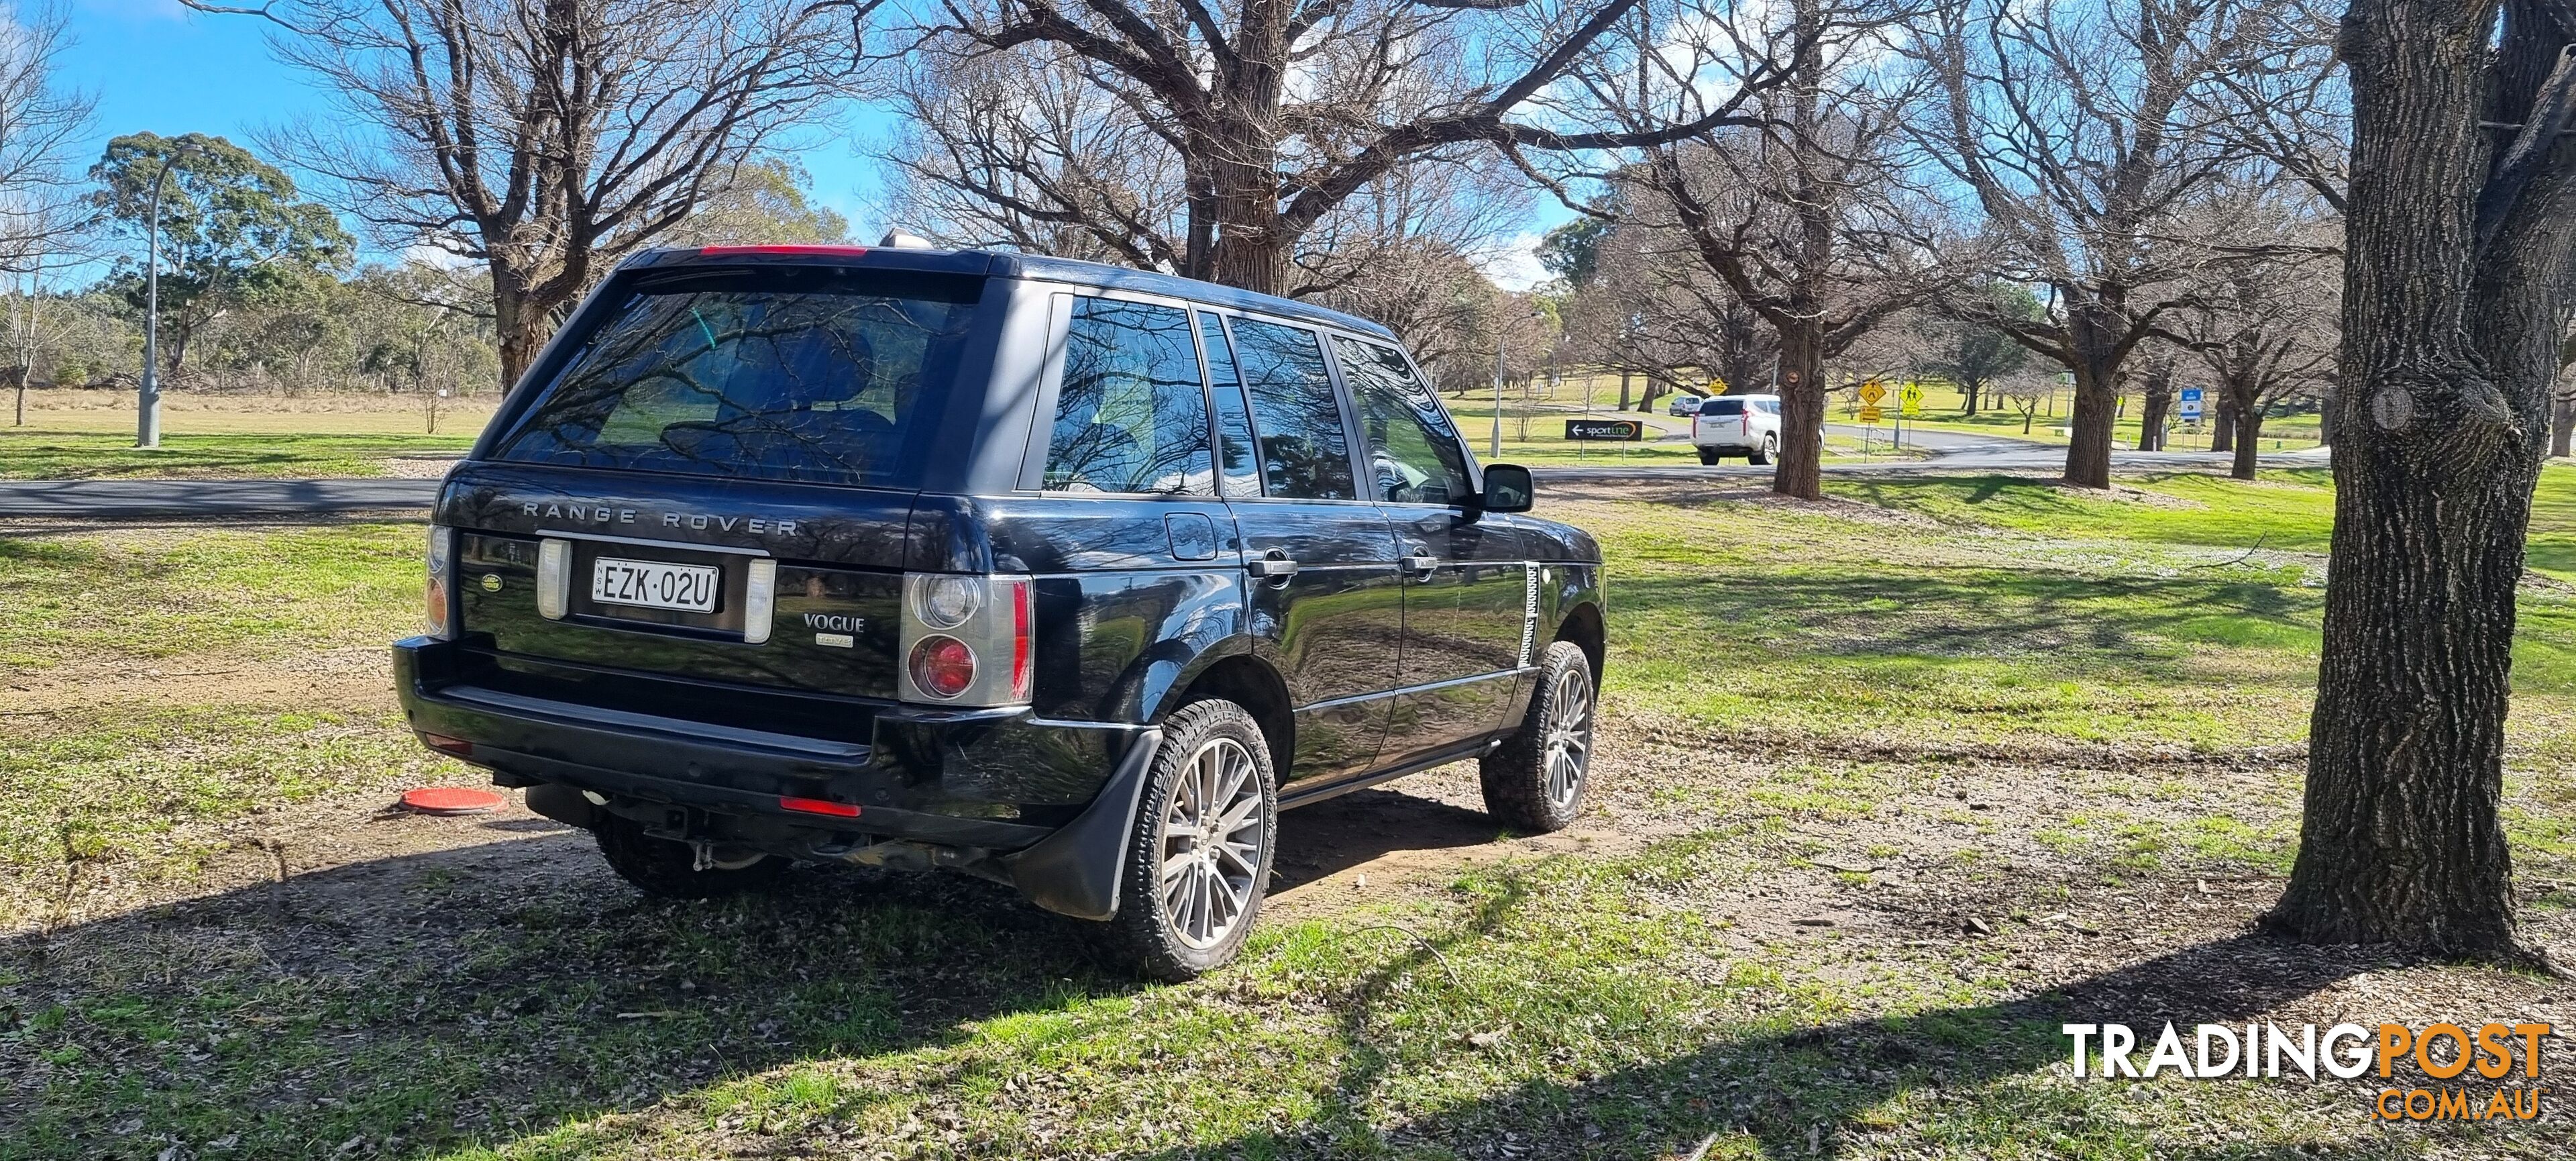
(815, 251)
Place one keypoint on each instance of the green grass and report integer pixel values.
(499, 997)
(2016, 612)
(144, 595)
(44, 454)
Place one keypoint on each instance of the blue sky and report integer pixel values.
(155, 65)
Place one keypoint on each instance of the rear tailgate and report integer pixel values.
(837, 553)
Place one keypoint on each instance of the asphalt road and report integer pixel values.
(1953, 452)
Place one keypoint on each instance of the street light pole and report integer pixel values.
(147, 402)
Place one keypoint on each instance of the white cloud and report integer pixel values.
(1513, 264)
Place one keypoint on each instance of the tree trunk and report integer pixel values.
(2222, 425)
(2088, 447)
(2562, 428)
(2151, 419)
(518, 324)
(2248, 444)
(1800, 471)
(2093, 331)
(2448, 353)
(1968, 396)
(2326, 411)
(1623, 390)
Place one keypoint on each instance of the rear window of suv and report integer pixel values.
(1722, 407)
(806, 375)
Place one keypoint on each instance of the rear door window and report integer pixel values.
(1305, 450)
(810, 376)
(1241, 471)
(1130, 415)
(1413, 453)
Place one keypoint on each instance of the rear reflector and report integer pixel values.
(447, 745)
(826, 251)
(819, 806)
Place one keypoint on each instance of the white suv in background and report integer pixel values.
(1737, 425)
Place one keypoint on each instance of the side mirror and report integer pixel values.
(1508, 488)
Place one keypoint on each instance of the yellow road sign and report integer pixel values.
(1911, 395)
(1871, 392)
(1870, 413)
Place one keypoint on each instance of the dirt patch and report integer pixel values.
(356, 677)
(419, 467)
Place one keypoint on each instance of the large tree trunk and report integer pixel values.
(518, 327)
(2094, 331)
(1800, 472)
(2088, 448)
(2248, 445)
(2447, 358)
(2222, 426)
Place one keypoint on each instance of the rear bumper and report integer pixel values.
(999, 780)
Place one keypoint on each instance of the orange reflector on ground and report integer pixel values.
(450, 800)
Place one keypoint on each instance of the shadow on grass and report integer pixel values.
(1823, 1091)
(483, 993)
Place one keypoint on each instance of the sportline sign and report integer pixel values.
(2346, 1051)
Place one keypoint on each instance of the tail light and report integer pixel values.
(436, 606)
(968, 640)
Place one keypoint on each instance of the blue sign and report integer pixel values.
(2190, 410)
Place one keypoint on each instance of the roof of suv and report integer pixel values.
(1008, 264)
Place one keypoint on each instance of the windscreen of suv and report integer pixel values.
(809, 375)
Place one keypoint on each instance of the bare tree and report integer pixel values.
(42, 213)
(1804, 220)
(2461, 241)
(1279, 111)
(2083, 128)
(2265, 328)
(546, 139)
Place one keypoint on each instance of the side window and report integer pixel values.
(1413, 452)
(1304, 451)
(1241, 471)
(1131, 415)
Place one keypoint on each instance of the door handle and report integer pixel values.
(1273, 566)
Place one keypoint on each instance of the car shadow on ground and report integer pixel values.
(483, 992)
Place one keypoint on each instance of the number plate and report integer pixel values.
(653, 584)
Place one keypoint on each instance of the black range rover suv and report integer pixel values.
(1069, 576)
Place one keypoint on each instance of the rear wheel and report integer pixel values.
(1769, 451)
(1198, 862)
(674, 870)
(1534, 782)
(1709, 456)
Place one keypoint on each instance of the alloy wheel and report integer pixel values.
(1569, 735)
(1213, 838)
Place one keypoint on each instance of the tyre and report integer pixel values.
(1769, 451)
(1198, 861)
(1708, 457)
(1534, 782)
(671, 870)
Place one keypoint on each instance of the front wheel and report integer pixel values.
(1770, 451)
(1534, 781)
(1198, 861)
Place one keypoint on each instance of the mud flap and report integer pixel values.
(1076, 870)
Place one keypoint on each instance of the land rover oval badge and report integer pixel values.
(491, 582)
